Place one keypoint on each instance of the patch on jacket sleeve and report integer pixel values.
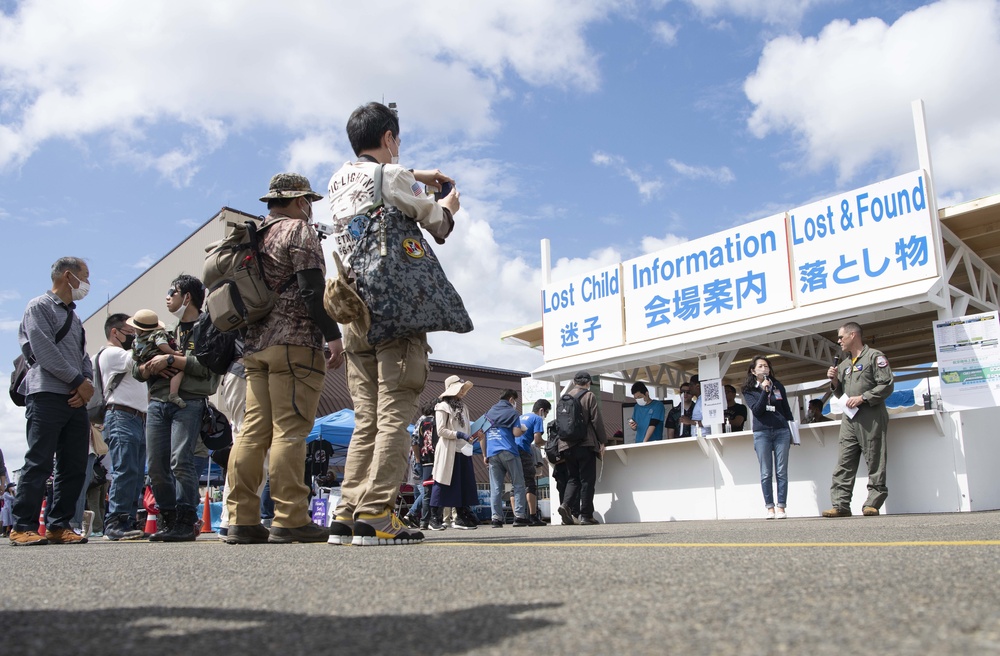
(881, 362)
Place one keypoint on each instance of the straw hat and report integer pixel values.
(145, 320)
(455, 386)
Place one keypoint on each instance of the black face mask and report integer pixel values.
(127, 342)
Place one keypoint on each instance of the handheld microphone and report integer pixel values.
(836, 360)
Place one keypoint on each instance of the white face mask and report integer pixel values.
(394, 159)
(179, 312)
(79, 293)
(466, 449)
(641, 400)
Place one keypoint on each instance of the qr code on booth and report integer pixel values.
(710, 391)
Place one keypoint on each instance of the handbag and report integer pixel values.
(340, 299)
(400, 279)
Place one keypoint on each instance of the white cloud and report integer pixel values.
(68, 71)
(648, 188)
(665, 32)
(52, 223)
(846, 94)
(145, 261)
(773, 12)
(722, 175)
(9, 325)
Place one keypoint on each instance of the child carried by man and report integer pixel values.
(151, 340)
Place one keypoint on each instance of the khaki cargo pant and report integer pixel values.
(385, 382)
(283, 388)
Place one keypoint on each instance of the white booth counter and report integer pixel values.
(937, 462)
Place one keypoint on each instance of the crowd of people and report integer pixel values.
(156, 393)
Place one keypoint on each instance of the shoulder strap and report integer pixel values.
(255, 234)
(378, 187)
(65, 327)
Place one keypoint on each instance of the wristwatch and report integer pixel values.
(170, 360)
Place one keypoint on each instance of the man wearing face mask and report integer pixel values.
(57, 388)
(285, 362)
(385, 379)
(647, 416)
(172, 432)
(124, 429)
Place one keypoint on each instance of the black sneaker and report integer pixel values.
(520, 522)
(382, 528)
(247, 534)
(588, 521)
(436, 524)
(497, 523)
(466, 524)
(341, 531)
(535, 520)
(425, 525)
(409, 522)
(311, 532)
(117, 528)
(566, 515)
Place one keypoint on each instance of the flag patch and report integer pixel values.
(416, 189)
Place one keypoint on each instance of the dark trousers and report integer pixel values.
(54, 430)
(581, 465)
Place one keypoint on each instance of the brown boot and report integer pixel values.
(837, 512)
(870, 511)
(60, 535)
(26, 538)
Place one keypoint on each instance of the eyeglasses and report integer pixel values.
(172, 291)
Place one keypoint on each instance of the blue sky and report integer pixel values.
(613, 128)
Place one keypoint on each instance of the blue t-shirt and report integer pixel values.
(500, 436)
(531, 424)
(642, 414)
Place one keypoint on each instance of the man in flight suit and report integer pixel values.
(866, 378)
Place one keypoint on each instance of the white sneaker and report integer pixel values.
(770, 514)
(780, 514)
(88, 523)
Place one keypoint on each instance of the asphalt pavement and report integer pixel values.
(899, 584)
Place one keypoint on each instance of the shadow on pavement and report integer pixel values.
(160, 630)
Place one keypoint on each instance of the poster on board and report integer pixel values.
(968, 356)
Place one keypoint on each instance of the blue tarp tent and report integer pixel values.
(335, 428)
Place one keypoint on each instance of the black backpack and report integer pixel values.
(552, 445)
(214, 348)
(216, 431)
(571, 424)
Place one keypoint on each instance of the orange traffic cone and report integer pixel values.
(150, 524)
(41, 517)
(206, 515)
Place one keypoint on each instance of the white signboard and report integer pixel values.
(583, 314)
(867, 239)
(968, 356)
(730, 275)
(713, 403)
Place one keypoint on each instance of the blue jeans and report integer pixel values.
(425, 507)
(171, 436)
(505, 462)
(771, 445)
(126, 439)
(54, 429)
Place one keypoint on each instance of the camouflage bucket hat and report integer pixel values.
(340, 299)
(290, 185)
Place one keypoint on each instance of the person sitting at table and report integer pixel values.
(675, 427)
(735, 413)
(815, 413)
(648, 415)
